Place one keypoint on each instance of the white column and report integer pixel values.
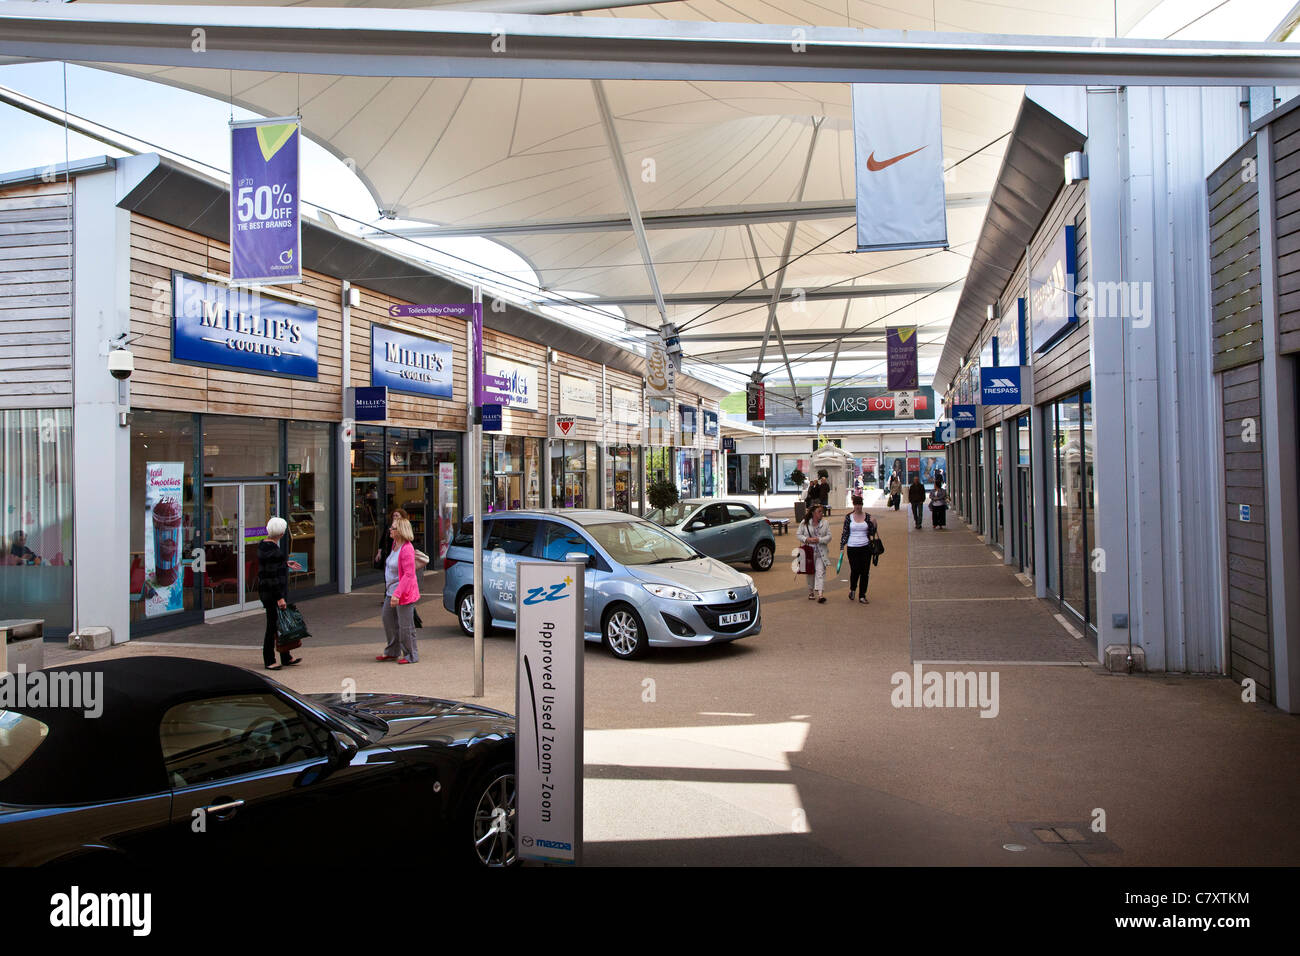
(343, 456)
(101, 474)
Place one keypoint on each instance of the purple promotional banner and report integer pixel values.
(900, 349)
(265, 229)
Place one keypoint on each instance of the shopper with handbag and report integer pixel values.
(815, 534)
(273, 568)
(856, 540)
(401, 591)
(939, 506)
(895, 490)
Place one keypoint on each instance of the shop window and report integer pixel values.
(163, 453)
(573, 474)
(240, 447)
(511, 469)
(36, 516)
(308, 509)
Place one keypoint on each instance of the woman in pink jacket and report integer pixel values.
(401, 592)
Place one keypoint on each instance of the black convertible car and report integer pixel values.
(197, 762)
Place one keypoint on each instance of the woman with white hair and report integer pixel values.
(273, 569)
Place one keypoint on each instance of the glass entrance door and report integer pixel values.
(234, 523)
(1025, 526)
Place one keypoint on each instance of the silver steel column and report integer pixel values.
(1278, 413)
(343, 456)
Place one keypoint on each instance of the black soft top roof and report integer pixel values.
(117, 754)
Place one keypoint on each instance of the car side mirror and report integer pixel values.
(345, 748)
(588, 559)
(695, 526)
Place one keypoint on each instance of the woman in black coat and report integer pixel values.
(273, 588)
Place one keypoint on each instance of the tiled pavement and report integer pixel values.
(967, 606)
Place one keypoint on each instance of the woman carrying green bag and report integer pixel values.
(273, 588)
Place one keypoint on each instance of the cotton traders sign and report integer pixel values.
(238, 328)
(409, 363)
(874, 404)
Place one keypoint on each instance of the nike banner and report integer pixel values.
(898, 148)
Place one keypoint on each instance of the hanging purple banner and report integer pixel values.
(265, 229)
(900, 350)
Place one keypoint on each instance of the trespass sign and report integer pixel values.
(409, 363)
(549, 697)
(239, 328)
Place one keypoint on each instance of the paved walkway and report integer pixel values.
(788, 748)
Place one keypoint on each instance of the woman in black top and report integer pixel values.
(273, 588)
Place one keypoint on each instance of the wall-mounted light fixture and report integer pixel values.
(994, 311)
(1076, 168)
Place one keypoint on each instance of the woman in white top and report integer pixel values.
(856, 539)
(814, 530)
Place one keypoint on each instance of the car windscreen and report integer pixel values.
(639, 542)
(672, 515)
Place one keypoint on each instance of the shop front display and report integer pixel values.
(623, 478)
(574, 472)
(511, 473)
(36, 516)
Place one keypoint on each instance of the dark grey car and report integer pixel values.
(730, 531)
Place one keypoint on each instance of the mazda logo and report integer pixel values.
(732, 595)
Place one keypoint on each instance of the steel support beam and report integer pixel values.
(832, 292)
(354, 42)
(702, 218)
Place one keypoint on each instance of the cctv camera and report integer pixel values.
(121, 363)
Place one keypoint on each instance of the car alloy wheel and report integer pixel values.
(763, 556)
(624, 633)
(465, 611)
(495, 821)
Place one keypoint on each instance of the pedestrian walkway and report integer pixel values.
(969, 607)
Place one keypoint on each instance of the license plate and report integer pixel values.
(738, 618)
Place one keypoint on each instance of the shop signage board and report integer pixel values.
(755, 402)
(898, 156)
(1051, 292)
(989, 353)
(405, 362)
(509, 383)
(164, 517)
(217, 326)
(625, 406)
(265, 227)
(900, 349)
(1008, 336)
(904, 404)
(965, 416)
(660, 374)
(579, 397)
(686, 415)
(1243, 512)
(874, 404)
(369, 403)
(1001, 386)
(562, 425)
(491, 417)
(549, 703)
(728, 444)
(710, 423)
(929, 444)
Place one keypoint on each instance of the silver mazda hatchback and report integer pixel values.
(645, 587)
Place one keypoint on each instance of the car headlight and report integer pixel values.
(748, 580)
(670, 592)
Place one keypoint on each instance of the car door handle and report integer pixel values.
(224, 811)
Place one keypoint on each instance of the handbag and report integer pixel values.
(418, 622)
(809, 559)
(421, 560)
(291, 629)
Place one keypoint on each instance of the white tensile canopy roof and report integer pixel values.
(529, 162)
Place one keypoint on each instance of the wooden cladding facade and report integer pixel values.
(1235, 289)
(1286, 236)
(36, 296)
(1248, 605)
(158, 249)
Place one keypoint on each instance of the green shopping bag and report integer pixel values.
(840, 563)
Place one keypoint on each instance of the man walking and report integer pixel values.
(916, 498)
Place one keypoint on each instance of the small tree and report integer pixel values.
(662, 494)
(797, 477)
(760, 484)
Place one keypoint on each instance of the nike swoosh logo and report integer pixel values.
(876, 167)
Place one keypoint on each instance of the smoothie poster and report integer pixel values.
(265, 230)
(446, 505)
(163, 591)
